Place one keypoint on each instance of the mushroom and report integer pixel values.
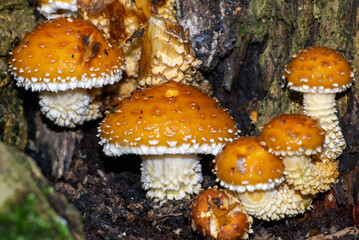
(53, 8)
(320, 73)
(245, 165)
(64, 59)
(275, 204)
(168, 125)
(296, 137)
(216, 213)
(255, 176)
(166, 54)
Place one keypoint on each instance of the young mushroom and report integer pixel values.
(216, 213)
(168, 125)
(245, 165)
(255, 176)
(319, 73)
(296, 137)
(64, 59)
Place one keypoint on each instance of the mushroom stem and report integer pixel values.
(170, 176)
(322, 107)
(275, 204)
(309, 177)
(69, 108)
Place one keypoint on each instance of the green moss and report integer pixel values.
(22, 221)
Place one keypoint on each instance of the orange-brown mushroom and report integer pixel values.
(245, 165)
(168, 124)
(296, 137)
(63, 59)
(218, 214)
(320, 73)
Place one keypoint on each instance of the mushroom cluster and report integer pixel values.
(256, 177)
(319, 73)
(307, 145)
(296, 138)
(64, 59)
(168, 125)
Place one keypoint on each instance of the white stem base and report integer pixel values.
(170, 176)
(322, 107)
(68, 108)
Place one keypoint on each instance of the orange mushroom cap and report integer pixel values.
(168, 118)
(291, 134)
(245, 165)
(218, 214)
(319, 69)
(66, 53)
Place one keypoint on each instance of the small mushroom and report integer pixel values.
(245, 165)
(216, 213)
(64, 59)
(319, 73)
(296, 137)
(168, 125)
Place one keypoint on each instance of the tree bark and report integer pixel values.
(16, 20)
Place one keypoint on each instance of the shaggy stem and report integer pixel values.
(170, 176)
(68, 108)
(310, 177)
(322, 107)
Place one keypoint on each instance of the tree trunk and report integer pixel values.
(16, 20)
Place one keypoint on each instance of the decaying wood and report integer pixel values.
(51, 142)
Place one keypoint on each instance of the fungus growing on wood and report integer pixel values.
(275, 204)
(319, 73)
(168, 125)
(245, 165)
(296, 137)
(64, 59)
(166, 54)
(216, 213)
